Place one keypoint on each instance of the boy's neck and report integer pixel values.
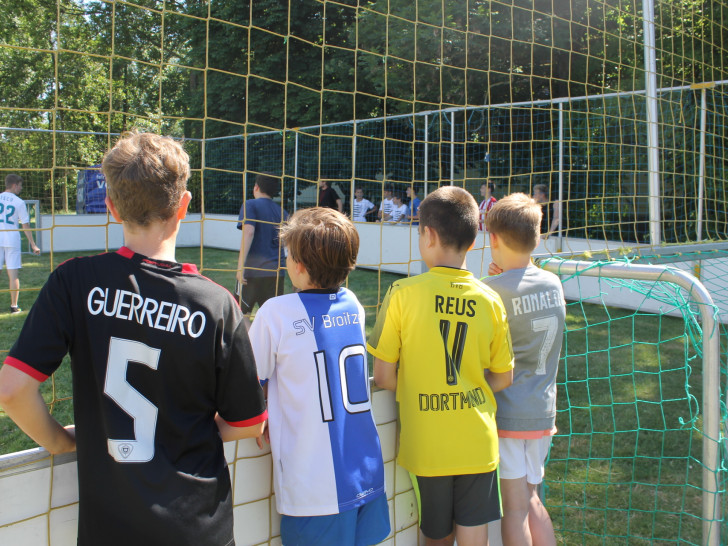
(156, 241)
(513, 260)
(445, 257)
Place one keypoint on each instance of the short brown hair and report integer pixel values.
(146, 175)
(517, 220)
(12, 180)
(453, 214)
(325, 242)
(268, 184)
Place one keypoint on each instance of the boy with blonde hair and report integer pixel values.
(526, 417)
(327, 461)
(441, 343)
(163, 371)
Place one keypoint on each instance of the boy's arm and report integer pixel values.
(29, 235)
(499, 381)
(230, 433)
(555, 220)
(385, 374)
(245, 242)
(23, 403)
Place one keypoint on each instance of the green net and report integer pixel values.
(628, 463)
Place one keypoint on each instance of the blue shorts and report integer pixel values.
(363, 526)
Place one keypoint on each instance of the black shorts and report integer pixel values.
(258, 290)
(469, 500)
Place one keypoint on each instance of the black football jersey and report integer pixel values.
(156, 350)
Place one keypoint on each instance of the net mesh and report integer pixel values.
(377, 93)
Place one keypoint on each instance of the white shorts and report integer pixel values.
(10, 256)
(519, 458)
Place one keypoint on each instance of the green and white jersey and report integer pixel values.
(534, 302)
(13, 214)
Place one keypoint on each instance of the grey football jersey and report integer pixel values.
(534, 302)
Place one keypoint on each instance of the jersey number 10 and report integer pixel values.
(327, 406)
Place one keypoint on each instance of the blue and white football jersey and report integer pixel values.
(326, 453)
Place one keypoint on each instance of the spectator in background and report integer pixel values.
(486, 192)
(328, 197)
(361, 208)
(550, 218)
(385, 208)
(413, 214)
(399, 211)
(13, 217)
(261, 262)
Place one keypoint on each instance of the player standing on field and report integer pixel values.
(163, 371)
(534, 302)
(260, 261)
(13, 216)
(441, 343)
(327, 461)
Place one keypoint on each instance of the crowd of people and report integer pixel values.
(398, 207)
(167, 366)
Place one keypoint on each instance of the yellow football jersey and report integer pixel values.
(444, 328)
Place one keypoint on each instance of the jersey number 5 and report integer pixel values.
(142, 411)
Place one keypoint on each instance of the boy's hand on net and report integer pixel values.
(493, 269)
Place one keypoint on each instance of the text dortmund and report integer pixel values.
(163, 315)
(449, 401)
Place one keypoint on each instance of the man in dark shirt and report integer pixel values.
(328, 197)
(261, 262)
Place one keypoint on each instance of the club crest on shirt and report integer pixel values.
(125, 450)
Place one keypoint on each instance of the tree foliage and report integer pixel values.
(218, 68)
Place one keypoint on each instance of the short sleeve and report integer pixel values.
(241, 215)
(23, 217)
(501, 347)
(261, 338)
(45, 337)
(248, 213)
(385, 340)
(239, 397)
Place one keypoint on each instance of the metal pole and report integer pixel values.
(653, 153)
(561, 176)
(452, 147)
(701, 164)
(711, 366)
(353, 174)
(295, 175)
(427, 150)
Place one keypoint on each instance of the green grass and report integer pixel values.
(625, 466)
